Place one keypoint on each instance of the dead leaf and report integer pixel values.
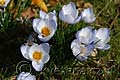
(15, 11)
(41, 4)
(88, 5)
(52, 2)
(11, 5)
(80, 5)
(13, 77)
(117, 2)
(28, 13)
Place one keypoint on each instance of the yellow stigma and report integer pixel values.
(2, 2)
(37, 55)
(45, 31)
(82, 51)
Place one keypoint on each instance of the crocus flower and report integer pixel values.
(102, 38)
(26, 76)
(69, 14)
(86, 35)
(38, 54)
(87, 40)
(45, 28)
(88, 16)
(83, 46)
(3, 3)
(81, 51)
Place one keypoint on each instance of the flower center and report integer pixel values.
(82, 50)
(2, 2)
(37, 55)
(45, 31)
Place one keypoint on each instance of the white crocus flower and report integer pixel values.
(26, 76)
(81, 51)
(45, 28)
(102, 38)
(38, 54)
(86, 35)
(88, 16)
(4, 3)
(69, 14)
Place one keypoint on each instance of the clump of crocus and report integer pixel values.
(38, 54)
(69, 14)
(87, 40)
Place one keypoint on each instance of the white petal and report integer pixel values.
(69, 19)
(20, 75)
(42, 14)
(24, 50)
(70, 9)
(88, 15)
(53, 24)
(46, 58)
(61, 16)
(102, 46)
(66, 18)
(89, 19)
(77, 20)
(44, 39)
(25, 76)
(35, 24)
(30, 77)
(52, 16)
(85, 52)
(75, 47)
(106, 47)
(103, 35)
(86, 35)
(37, 66)
(81, 58)
(45, 49)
